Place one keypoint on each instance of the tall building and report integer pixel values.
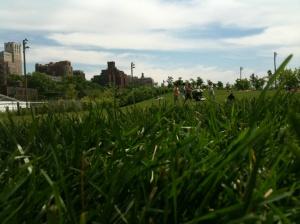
(112, 76)
(61, 68)
(12, 56)
(145, 81)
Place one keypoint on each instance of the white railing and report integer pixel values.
(13, 105)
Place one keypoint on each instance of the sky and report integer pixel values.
(210, 39)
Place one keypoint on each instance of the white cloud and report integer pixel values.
(114, 16)
(186, 73)
(136, 41)
(45, 54)
(144, 63)
(130, 23)
(281, 36)
(149, 25)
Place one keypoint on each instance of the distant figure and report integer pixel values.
(182, 91)
(176, 93)
(211, 91)
(188, 92)
(230, 97)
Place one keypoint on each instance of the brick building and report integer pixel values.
(61, 68)
(112, 76)
(144, 81)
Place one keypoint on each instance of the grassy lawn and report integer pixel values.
(197, 163)
(220, 97)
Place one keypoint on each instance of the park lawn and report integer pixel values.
(220, 97)
(198, 163)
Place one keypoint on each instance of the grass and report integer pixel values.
(199, 163)
(220, 97)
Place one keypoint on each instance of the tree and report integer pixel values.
(71, 92)
(15, 80)
(193, 82)
(242, 84)
(228, 86)
(170, 81)
(289, 79)
(46, 87)
(256, 82)
(180, 81)
(81, 85)
(220, 85)
(199, 81)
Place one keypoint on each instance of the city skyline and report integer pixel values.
(210, 39)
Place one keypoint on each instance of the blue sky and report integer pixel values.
(191, 38)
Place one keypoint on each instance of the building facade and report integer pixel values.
(4, 71)
(12, 56)
(61, 68)
(144, 81)
(112, 76)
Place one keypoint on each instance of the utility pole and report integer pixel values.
(25, 41)
(275, 69)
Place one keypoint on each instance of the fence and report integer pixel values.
(16, 105)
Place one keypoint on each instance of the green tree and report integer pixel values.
(256, 82)
(170, 81)
(242, 84)
(289, 79)
(199, 81)
(180, 81)
(220, 85)
(193, 82)
(71, 92)
(97, 79)
(47, 88)
(228, 86)
(15, 80)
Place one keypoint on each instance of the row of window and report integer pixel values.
(16, 47)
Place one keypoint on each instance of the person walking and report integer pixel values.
(188, 92)
(211, 91)
(176, 93)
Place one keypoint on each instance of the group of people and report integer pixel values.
(189, 94)
(187, 91)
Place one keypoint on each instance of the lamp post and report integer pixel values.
(25, 41)
(275, 69)
(132, 66)
(241, 68)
